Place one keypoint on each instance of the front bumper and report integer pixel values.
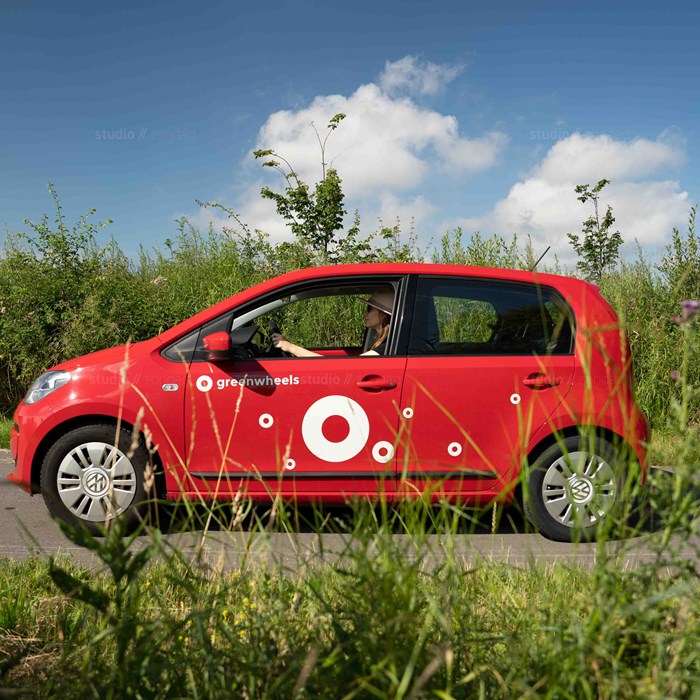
(30, 425)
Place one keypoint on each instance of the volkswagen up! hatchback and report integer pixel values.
(490, 378)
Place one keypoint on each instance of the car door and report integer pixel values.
(296, 425)
(488, 363)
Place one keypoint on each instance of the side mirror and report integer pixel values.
(217, 346)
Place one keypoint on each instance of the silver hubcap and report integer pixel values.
(579, 489)
(96, 481)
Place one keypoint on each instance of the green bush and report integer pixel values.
(62, 295)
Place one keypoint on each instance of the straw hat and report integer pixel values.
(382, 299)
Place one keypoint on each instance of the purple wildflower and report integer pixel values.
(689, 308)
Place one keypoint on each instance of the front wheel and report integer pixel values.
(574, 488)
(94, 474)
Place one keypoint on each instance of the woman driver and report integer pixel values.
(377, 317)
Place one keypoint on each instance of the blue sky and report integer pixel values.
(481, 117)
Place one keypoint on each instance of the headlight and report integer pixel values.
(46, 384)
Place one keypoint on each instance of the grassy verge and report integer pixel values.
(390, 630)
(394, 616)
(394, 613)
(664, 449)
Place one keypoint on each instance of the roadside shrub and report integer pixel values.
(44, 279)
(63, 295)
(646, 302)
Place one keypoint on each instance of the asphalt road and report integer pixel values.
(26, 530)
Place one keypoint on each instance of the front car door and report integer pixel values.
(488, 363)
(295, 425)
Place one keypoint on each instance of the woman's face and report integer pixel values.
(373, 318)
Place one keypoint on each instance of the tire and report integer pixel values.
(89, 478)
(574, 488)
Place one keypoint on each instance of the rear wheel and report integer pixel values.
(574, 488)
(93, 474)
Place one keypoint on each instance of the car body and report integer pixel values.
(486, 370)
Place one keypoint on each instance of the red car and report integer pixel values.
(487, 378)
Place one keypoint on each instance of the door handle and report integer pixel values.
(375, 383)
(538, 380)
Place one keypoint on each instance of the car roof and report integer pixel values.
(430, 269)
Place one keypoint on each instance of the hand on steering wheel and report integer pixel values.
(275, 337)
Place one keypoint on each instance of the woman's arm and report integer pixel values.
(283, 344)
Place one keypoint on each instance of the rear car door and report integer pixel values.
(488, 363)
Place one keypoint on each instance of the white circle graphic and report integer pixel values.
(515, 399)
(204, 383)
(454, 449)
(408, 413)
(383, 452)
(266, 420)
(322, 447)
(290, 464)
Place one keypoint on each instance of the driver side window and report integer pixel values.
(328, 321)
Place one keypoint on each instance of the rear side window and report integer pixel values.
(461, 316)
(464, 320)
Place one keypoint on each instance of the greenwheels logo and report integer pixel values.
(206, 383)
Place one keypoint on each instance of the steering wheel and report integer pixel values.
(272, 350)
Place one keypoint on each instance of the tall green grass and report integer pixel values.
(385, 607)
(62, 295)
(388, 602)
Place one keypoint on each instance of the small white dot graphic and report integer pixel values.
(383, 452)
(266, 420)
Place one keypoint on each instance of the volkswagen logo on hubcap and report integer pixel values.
(581, 490)
(96, 482)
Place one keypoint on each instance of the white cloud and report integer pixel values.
(649, 210)
(387, 146)
(413, 76)
(544, 204)
(261, 214)
(586, 158)
(384, 144)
